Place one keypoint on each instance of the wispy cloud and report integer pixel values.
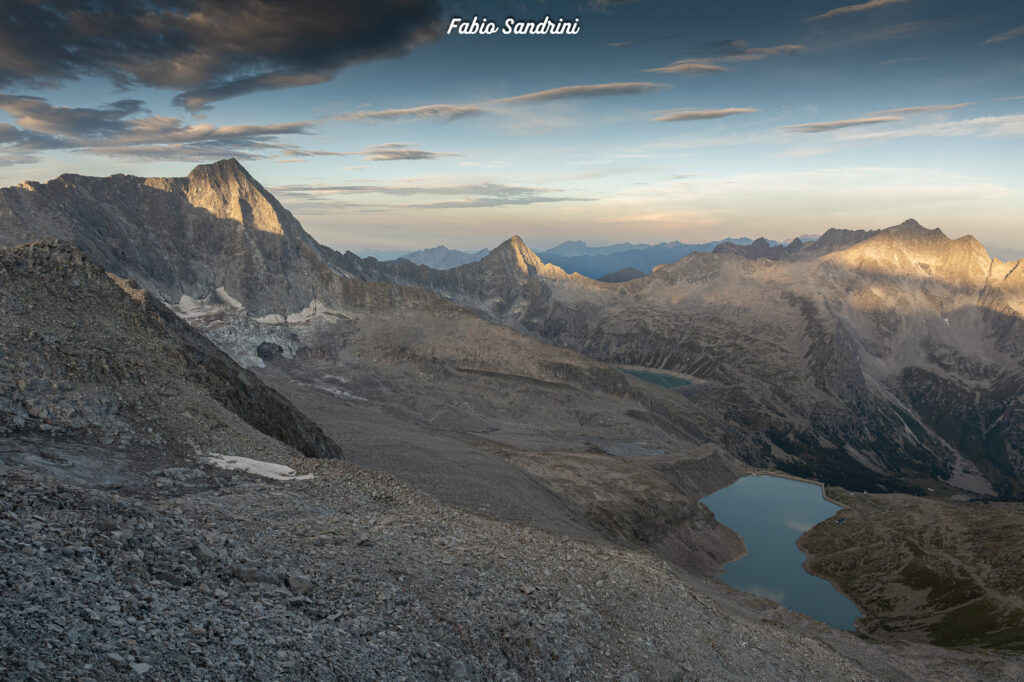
(1006, 35)
(480, 195)
(1011, 125)
(639, 41)
(734, 50)
(700, 114)
(889, 62)
(453, 112)
(827, 126)
(851, 9)
(750, 54)
(913, 28)
(583, 91)
(448, 112)
(395, 151)
(122, 129)
(688, 67)
(926, 109)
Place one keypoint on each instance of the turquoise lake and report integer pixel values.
(770, 513)
(663, 380)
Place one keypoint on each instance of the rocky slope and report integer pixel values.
(92, 358)
(350, 576)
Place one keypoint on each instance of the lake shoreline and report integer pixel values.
(741, 577)
(782, 474)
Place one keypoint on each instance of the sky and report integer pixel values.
(657, 121)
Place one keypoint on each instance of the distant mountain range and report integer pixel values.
(625, 261)
(576, 256)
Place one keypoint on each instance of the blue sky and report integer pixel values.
(658, 121)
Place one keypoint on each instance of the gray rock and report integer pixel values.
(248, 573)
(299, 583)
(203, 553)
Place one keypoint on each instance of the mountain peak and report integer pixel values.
(912, 228)
(514, 253)
(226, 189)
(912, 249)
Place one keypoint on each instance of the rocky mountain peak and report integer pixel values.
(514, 254)
(226, 189)
(910, 249)
(910, 228)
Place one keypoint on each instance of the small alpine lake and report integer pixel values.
(770, 513)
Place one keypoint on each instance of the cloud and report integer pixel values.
(732, 50)
(480, 195)
(583, 91)
(118, 130)
(122, 129)
(750, 54)
(452, 112)
(928, 108)
(639, 41)
(837, 125)
(1011, 125)
(888, 62)
(208, 50)
(449, 112)
(913, 28)
(1005, 35)
(688, 67)
(850, 9)
(700, 115)
(395, 151)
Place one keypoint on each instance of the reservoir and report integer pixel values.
(770, 513)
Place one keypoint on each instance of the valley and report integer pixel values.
(499, 445)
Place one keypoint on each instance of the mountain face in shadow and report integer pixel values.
(878, 360)
(110, 365)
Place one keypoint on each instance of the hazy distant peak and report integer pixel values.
(442, 258)
(572, 247)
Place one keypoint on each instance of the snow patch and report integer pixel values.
(277, 472)
(189, 307)
(312, 311)
(223, 294)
